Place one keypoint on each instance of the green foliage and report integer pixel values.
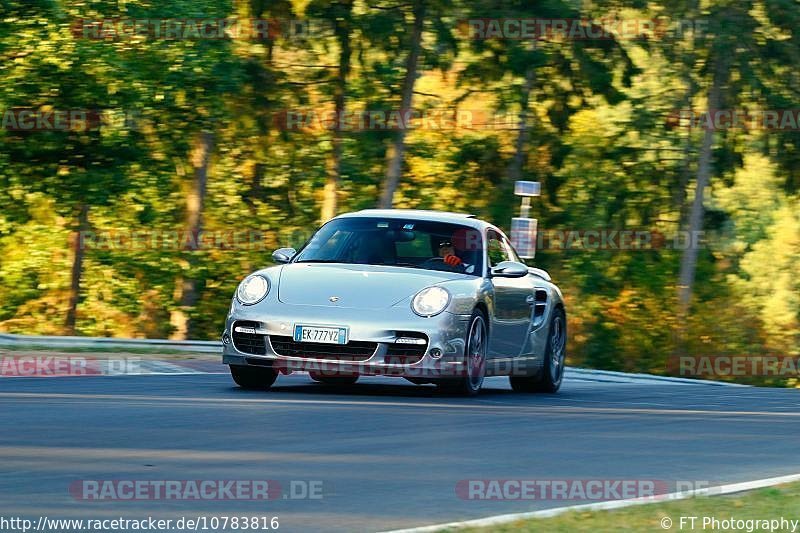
(598, 137)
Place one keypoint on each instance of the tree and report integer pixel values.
(396, 153)
(340, 15)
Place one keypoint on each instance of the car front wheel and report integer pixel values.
(474, 359)
(253, 378)
(550, 377)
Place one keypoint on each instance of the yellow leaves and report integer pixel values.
(619, 309)
(596, 124)
(772, 275)
(299, 6)
(42, 209)
(754, 186)
(767, 30)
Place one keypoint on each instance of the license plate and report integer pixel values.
(325, 335)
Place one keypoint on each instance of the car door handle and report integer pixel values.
(530, 300)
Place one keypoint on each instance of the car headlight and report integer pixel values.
(252, 290)
(431, 301)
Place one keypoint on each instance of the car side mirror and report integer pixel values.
(283, 255)
(509, 269)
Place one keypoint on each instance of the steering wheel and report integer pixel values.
(435, 262)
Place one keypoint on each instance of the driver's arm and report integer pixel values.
(452, 260)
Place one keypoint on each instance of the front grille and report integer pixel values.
(352, 351)
(251, 343)
(406, 354)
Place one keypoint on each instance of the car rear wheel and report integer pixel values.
(552, 373)
(333, 380)
(475, 359)
(253, 378)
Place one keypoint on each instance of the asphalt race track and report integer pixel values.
(388, 454)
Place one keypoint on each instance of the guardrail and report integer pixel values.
(7, 339)
(215, 347)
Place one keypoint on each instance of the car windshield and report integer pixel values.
(397, 242)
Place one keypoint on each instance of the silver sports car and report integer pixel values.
(430, 296)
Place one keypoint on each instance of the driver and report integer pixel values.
(448, 253)
(446, 259)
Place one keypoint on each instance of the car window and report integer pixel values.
(496, 249)
(402, 242)
(330, 248)
(419, 248)
(512, 253)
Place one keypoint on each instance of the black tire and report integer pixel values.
(477, 341)
(338, 381)
(552, 373)
(253, 377)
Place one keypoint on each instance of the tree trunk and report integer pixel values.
(255, 190)
(679, 198)
(186, 285)
(77, 269)
(689, 259)
(330, 198)
(330, 193)
(396, 153)
(523, 134)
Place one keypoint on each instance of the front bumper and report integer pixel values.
(445, 334)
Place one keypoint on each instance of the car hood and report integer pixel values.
(356, 286)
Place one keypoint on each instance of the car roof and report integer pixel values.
(422, 214)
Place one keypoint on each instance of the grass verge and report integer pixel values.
(771, 503)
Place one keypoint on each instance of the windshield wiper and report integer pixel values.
(320, 261)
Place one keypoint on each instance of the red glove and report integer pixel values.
(452, 260)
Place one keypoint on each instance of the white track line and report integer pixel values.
(625, 377)
(606, 506)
